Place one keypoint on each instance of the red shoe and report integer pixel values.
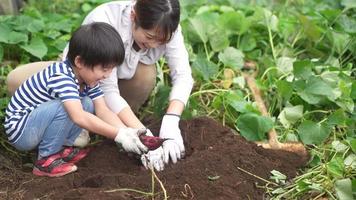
(73, 154)
(53, 166)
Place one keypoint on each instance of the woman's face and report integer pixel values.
(145, 39)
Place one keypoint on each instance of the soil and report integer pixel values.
(219, 165)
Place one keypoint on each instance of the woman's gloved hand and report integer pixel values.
(174, 147)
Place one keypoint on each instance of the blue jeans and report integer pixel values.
(49, 127)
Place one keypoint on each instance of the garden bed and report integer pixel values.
(218, 165)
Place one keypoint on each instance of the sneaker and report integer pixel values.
(53, 166)
(73, 154)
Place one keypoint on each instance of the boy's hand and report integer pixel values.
(130, 141)
(173, 148)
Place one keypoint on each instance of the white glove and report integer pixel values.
(83, 139)
(129, 139)
(153, 158)
(173, 148)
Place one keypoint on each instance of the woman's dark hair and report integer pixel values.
(161, 15)
(97, 43)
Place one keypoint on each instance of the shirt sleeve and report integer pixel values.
(63, 87)
(95, 92)
(180, 71)
(112, 94)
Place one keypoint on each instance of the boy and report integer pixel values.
(50, 108)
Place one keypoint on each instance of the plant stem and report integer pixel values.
(260, 178)
(160, 183)
(152, 182)
(129, 190)
(270, 38)
(214, 91)
(266, 71)
(206, 52)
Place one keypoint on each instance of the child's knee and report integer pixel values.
(88, 104)
(12, 82)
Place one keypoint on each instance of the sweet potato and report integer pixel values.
(152, 142)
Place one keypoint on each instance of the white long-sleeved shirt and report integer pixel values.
(117, 14)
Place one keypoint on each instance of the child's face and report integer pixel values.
(91, 77)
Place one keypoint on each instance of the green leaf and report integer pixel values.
(285, 89)
(311, 29)
(352, 143)
(316, 85)
(248, 43)
(314, 90)
(253, 127)
(271, 20)
(336, 167)
(25, 23)
(343, 189)
(338, 146)
(278, 177)
(200, 24)
(59, 25)
(35, 26)
(11, 37)
(4, 33)
(36, 48)
(353, 90)
(313, 133)
(350, 161)
(232, 57)
(303, 185)
(302, 69)
(1, 53)
(237, 102)
(234, 22)
(290, 115)
(340, 41)
(337, 118)
(331, 77)
(349, 3)
(16, 37)
(86, 7)
(348, 24)
(218, 39)
(204, 68)
(285, 64)
(354, 187)
(161, 100)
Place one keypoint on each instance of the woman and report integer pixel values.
(149, 30)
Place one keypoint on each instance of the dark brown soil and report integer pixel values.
(212, 169)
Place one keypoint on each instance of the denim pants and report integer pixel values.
(49, 128)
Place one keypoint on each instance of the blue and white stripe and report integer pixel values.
(57, 81)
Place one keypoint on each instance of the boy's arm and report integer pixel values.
(104, 113)
(113, 128)
(129, 118)
(89, 121)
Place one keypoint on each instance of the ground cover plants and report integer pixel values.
(303, 54)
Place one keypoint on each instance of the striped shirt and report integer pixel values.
(57, 81)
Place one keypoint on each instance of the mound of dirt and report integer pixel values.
(218, 165)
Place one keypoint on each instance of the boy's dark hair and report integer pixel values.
(97, 43)
(161, 15)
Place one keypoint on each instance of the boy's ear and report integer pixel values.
(78, 62)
